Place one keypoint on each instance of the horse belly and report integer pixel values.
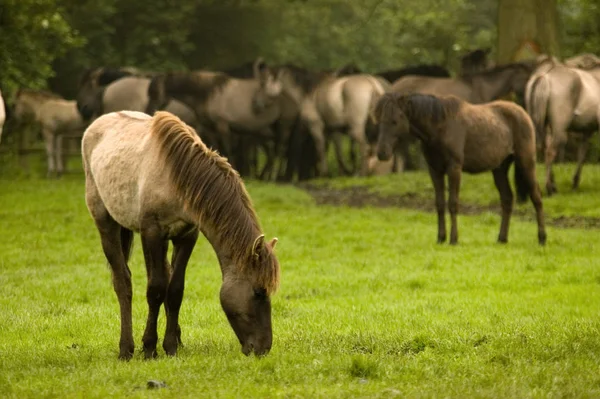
(485, 152)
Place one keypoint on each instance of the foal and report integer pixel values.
(458, 136)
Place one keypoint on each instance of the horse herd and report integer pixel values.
(159, 176)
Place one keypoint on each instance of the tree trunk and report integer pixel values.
(527, 27)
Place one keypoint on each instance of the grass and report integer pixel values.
(369, 305)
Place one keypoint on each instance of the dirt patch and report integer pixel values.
(359, 197)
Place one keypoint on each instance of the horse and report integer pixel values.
(56, 117)
(105, 90)
(220, 102)
(331, 103)
(155, 176)
(457, 136)
(432, 70)
(2, 115)
(476, 88)
(475, 61)
(560, 98)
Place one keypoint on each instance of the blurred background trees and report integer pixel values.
(48, 43)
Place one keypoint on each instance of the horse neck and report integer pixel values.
(491, 86)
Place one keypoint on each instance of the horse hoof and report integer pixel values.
(502, 240)
(150, 354)
(542, 239)
(126, 356)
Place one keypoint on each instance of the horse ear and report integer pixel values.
(273, 242)
(258, 244)
(260, 69)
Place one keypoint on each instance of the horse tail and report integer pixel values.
(536, 103)
(522, 184)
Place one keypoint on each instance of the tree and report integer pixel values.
(523, 23)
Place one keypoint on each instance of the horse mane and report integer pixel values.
(433, 70)
(213, 191)
(306, 79)
(423, 108)
(243, 71)
(201, 85)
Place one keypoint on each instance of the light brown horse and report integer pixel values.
(153, 175)
(56, 116)
(329, 104)
(476, 88)
(457, 136)
(222, 103)
(559, 99)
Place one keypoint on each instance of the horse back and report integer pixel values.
(121, 166)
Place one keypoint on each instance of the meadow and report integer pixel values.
(369, 305)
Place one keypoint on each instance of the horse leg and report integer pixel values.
(506, 198)
(50, 151)
(182, 250)
(440, 203)
(527, 165)
(454, 175)
(155, 251)
(582, 150)
(114, 240)
(318, 134)
(60, 161)
(339, 153)
(357, 132)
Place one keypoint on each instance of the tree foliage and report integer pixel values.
(55, 40)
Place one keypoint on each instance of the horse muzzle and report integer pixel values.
(259, 350)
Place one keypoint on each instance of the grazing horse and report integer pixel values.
(105, 90)
(457, 136)
(222, 103)
(56, 117)
(154, 176)
(329, 103)
(2, 115)
(560, 99)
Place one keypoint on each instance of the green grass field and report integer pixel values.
(369, 305)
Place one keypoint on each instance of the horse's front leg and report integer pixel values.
(182, 250)
(357, 132)
(454, 175)
(437, 179)
(155, 252)
(506, 198)
(60, 159)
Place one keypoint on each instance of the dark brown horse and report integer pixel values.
(153, 175)
(457, 136)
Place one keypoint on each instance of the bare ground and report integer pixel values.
(359, 197)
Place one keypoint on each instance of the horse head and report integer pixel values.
(157, 94)
(92, 83)
(245, 297)
(270, 86)
(393, 123)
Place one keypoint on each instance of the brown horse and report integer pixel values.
(457, 136)
(153, 175)
(559, 99)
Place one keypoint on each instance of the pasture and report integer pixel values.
(369, 304)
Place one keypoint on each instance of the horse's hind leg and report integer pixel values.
(113, 244)
(506, 197)
(182, 250)
(155, 251)
(582, 151)
(454, 176)
(440, 203)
